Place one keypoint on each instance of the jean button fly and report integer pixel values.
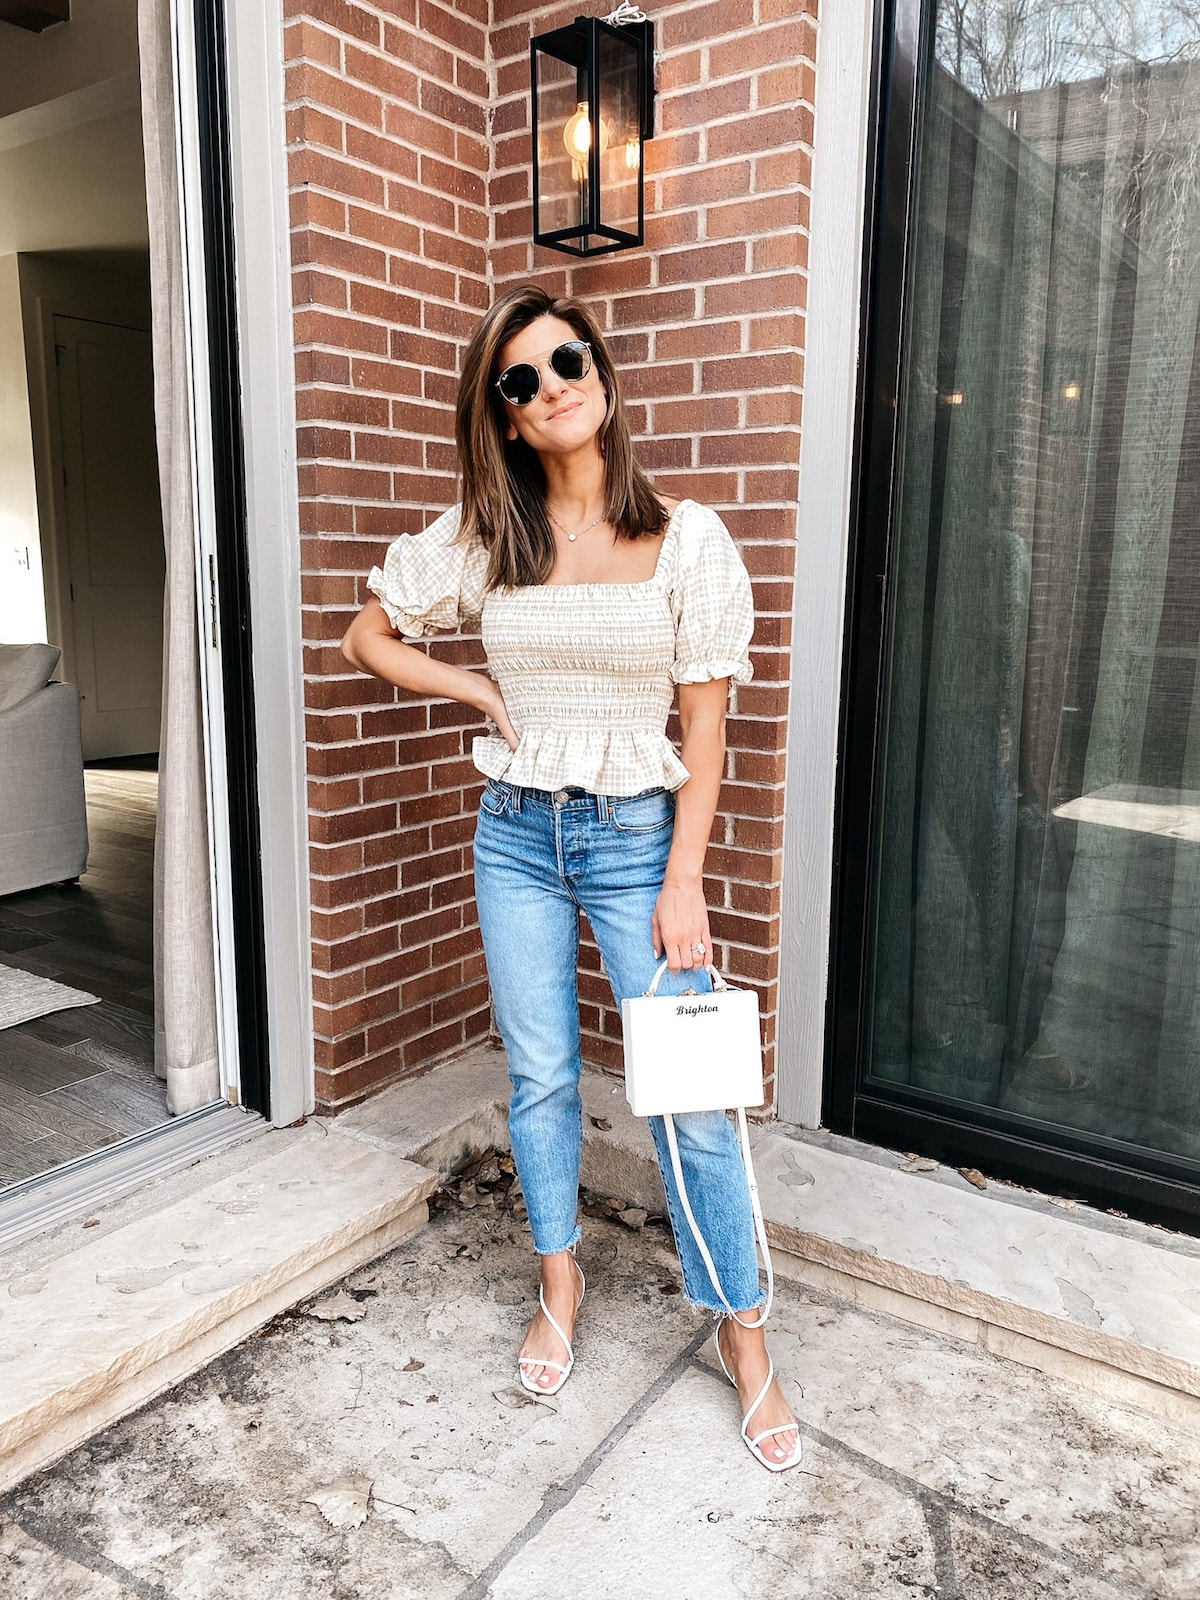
(561, 796)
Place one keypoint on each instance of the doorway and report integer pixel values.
(1019, 913)
(110, 530)
(114, 1017)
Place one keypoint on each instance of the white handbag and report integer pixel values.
(698, 1052)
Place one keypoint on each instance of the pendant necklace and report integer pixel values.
(573, 536)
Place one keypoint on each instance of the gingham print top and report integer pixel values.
(587, 670)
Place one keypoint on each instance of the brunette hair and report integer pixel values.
(503, 485)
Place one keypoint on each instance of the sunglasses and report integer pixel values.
(522, 382)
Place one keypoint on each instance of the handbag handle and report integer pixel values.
(718, 982)
(760, 1227)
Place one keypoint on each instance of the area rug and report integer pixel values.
(25, 995)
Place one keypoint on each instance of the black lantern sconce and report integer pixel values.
(593, 107)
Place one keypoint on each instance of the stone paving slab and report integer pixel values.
(932, 1468)
(94, 1331)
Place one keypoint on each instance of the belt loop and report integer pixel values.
(602, 807)
(517, 794)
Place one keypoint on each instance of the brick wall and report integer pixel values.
(410, 212)
(388, 162)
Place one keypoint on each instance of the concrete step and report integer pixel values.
(94, 1321)
(1100, 1300)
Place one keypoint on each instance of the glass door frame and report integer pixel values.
(1056, 1160)
(223, 594)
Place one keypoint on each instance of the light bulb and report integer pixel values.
(577, 135)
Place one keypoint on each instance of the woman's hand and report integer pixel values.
(680, 924)
(492, 704)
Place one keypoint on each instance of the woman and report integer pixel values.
(596, 598)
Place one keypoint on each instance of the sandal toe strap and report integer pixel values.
(784, 1427)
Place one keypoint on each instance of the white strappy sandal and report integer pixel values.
(752, 1444)
(764, 1311)
(563, 1367)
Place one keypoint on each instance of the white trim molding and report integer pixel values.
(826, 449)
(262, 251)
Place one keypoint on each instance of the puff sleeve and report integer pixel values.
(431, 582)
(712, 602)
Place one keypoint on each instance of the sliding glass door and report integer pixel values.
(1020, 944)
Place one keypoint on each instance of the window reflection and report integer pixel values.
(1037, 904)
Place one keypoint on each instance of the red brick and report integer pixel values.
(420, 52)
(472, 79)
(703, 263)
(697, 339)
(703, 106)
(341, 405)
(452, 107)
(305, 39)
(308, 125)
(782, 249)
(334, 173)
(699, 24)
(381, 150)
(767, 370)
(762, 130)
(695, 416)
(450, 180)
(384, 73)
(782, 169)
(334, 92)
(345, 18)
(423, 134)
(700, 186)
(763, 47)
(768, 214)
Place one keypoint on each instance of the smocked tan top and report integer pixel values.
(587, 670)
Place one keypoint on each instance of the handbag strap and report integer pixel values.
(718, 982)
(760, 1227)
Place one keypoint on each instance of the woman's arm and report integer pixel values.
(372, 645)
(680, 919)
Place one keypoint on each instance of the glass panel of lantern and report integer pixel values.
(559, 182)
(620, 123)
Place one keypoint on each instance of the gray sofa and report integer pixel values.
(43, 819)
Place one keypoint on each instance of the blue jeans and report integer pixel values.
(541, 858)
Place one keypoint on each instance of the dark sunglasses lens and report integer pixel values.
(571, 360)
(520, 384)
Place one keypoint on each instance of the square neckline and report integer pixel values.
(618, 583)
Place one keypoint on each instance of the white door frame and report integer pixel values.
(841, 124)
(256, 100)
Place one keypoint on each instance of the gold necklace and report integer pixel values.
(573, 536)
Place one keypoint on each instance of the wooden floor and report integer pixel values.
(79, 1079)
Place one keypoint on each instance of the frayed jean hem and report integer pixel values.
(718, 1310)
(559, 1248)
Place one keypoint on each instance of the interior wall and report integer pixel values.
(104, 287)
(99, 42)
(22, 610)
